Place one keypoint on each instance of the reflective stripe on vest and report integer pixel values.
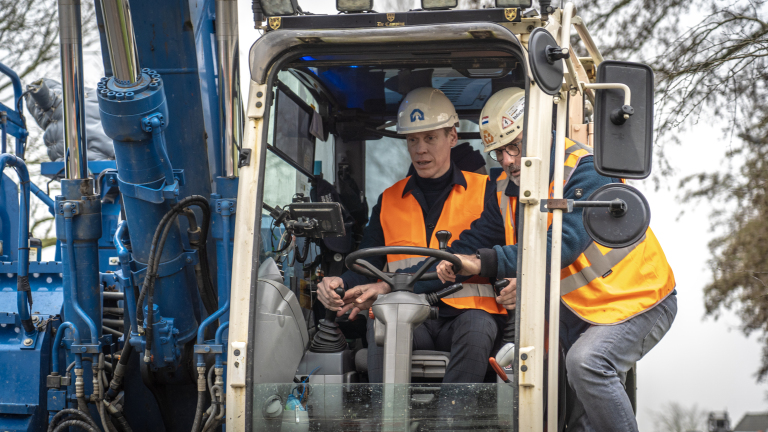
(508, 206)
(609, 286)
(402, 222)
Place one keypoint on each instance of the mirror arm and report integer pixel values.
(586, 38)
(606, 86)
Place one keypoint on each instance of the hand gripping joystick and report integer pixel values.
(329, 338)
(509, 329)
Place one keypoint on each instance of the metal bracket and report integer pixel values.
(168, 268)
(527, 365)
(75, 210)
(232, 205)
(155, 196)
(209, 349)
(85, 349)
(617, 206)
(244, 159)
(547, 205)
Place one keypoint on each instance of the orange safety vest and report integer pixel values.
(402, 221)
(604, 285)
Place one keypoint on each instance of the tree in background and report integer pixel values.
(29, 44)
(675, 417)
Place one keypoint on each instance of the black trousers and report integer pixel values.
(470, 337)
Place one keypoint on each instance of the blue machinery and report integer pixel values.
(145, 298)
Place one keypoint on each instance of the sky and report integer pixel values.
(700, 361)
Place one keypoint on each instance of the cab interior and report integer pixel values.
(330, 123)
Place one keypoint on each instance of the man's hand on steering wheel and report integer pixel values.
(470, 267)
(360, 298)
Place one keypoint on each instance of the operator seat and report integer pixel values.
(425, 364)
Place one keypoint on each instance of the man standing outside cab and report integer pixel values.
(616, 304)
(409, 213)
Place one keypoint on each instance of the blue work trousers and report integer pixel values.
(597, 360)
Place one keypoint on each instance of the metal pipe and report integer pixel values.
(22, 295)
(230, 98)
(217, 340)
(70, 38)
(57, 344)
(590, 44)
(121, 40)
(225, 217)
(43, 197)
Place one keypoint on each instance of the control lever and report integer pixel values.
(443, 237)
(330, 316)
(509, 330)
(434, 298)
(329, 338)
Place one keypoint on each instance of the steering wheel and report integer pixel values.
(403, 281)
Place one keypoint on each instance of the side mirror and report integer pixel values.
(624, 134)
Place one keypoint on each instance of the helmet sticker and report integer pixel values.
(506, 122)
(484, 120)
(487, 137)
(516, 110)
(417, 114)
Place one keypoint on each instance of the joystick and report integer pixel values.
(329, 338)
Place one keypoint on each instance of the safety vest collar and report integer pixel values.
(456, 179)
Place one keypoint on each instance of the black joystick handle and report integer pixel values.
(500, 285)
(434, 298)
(509, 329)
(329, 338)
(443, 237)
(330, 316)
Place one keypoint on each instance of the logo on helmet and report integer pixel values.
(487, 137)
(417, 114)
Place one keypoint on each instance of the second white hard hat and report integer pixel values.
(502, 118)
(425, 109)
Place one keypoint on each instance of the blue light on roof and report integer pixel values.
(354, 66)
(308, 58)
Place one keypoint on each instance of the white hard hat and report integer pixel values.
(502, 118)
(425, 109)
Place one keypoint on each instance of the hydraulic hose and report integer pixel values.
(69, 411)
(24, 292)
(202, 270)
(68, 214)
(57, 344)
(201, 389)
(64, 426)
(119, 374)
(158, 242)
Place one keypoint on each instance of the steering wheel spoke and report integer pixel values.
(372, 270)
(420, 272)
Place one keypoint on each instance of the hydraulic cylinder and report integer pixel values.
(135, 116)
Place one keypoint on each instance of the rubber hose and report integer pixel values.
(158, 242)
(65, 412)
(122, 423)
(75, 423)
(117, 376)
(199, 411)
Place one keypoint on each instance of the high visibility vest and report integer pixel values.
(402, 221)
(604, 285)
